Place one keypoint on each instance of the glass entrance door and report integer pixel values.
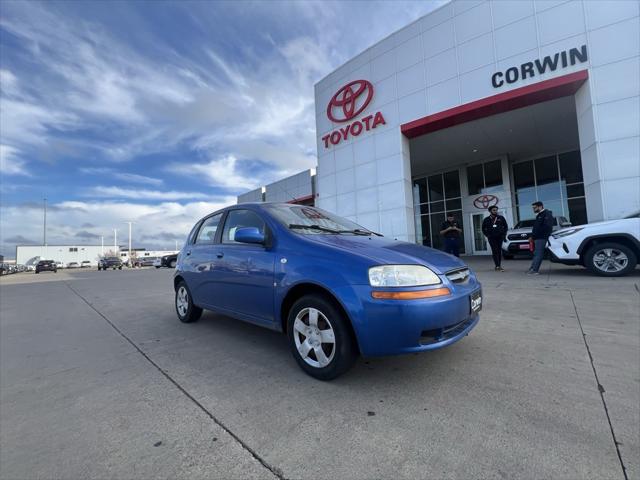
(479, 241)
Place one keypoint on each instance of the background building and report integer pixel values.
(481, 103)
(30, 254)
(298, 188)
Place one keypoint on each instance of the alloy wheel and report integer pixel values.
(610, 260)
(182, 301)
(314, 337)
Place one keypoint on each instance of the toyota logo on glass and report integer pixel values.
(347, 103)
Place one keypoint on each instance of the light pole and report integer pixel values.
(129, 223)
(44, 227)
(115, 241)
(102, 245)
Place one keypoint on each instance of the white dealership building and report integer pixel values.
(481, 103)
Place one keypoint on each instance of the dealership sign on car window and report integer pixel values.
(347, 103)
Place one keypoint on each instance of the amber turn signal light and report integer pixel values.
(411, 295)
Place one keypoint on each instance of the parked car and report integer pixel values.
(59, 265)
(73, 265)
(4, 269)
(335, 288)
(46, 266)
(610, 248)
(517, 241)
(110, 262)
(145, 261)
(85, 264)
(168, 261)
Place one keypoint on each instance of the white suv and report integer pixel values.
(609, 248)
(516, 242)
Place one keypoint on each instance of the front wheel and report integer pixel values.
(610, 259)
(320, 337)
(172, 264)
(186, 310)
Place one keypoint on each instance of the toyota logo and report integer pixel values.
(485, 201)
(347, 100)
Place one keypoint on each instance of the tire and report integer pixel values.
(157, 267)
(610, 259)
(37, 272)
(186, 310)
(119, 268)
(339, 356)
(172, 264)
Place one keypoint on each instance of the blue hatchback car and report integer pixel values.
(335, 288)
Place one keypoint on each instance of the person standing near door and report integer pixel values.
(495, 227)
(542, 228)
(451, 233)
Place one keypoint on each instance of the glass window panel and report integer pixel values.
(548, 192)
(452, 184)
(424, 208)
(420, 191)
(526, 196)
(525, 212)
(546, 170)
(571, 167)
(460, 219)
(523, 175)
(436, 191)
(237, 219)
(479, 242)
(577, 211)
(555, 206)
(207, 232)
(454, 204)
(422, 229)
(475, 181)
(492, 176)
(436, 222)
(437, 206)
(576, 190)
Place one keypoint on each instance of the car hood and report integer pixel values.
(385, 251)
(520, 230)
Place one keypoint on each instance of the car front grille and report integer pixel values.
(459, 275)
(518, 236)
(427, 337)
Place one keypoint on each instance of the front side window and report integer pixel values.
(207, 232)
(237, 219)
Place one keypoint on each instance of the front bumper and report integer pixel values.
(391, 327)
(560, 252)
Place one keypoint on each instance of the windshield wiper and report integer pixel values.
(314, 227)
(359, 231)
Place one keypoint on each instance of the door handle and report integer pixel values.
(219, 254)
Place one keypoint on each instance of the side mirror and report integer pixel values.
(249, 235)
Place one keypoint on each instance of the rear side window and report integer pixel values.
(240, 219)
(207, 232)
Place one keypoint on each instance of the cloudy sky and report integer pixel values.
(160, 112)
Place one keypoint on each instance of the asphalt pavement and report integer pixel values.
(99, 379)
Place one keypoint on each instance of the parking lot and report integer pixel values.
(99, 379)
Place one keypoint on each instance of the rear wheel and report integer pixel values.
(186, 310)
(320, 338)
(610, 259)
(172, 264)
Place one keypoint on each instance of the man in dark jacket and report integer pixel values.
(495, 227)
(451, 233)
(542, 228)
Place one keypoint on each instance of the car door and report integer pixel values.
(246, 271)
(200, 260)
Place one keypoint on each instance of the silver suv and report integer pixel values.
(517, 241)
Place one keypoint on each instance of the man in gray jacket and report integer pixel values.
(542, 228)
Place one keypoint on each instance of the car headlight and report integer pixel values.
(565, 233)
(402, 276)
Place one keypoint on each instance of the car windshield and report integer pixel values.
(311, 220)
(525, 223)
(113, 259)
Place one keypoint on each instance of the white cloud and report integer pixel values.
(155, 225)
(10, 163)
(139, 194)
(124, 176)
(220, 172)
